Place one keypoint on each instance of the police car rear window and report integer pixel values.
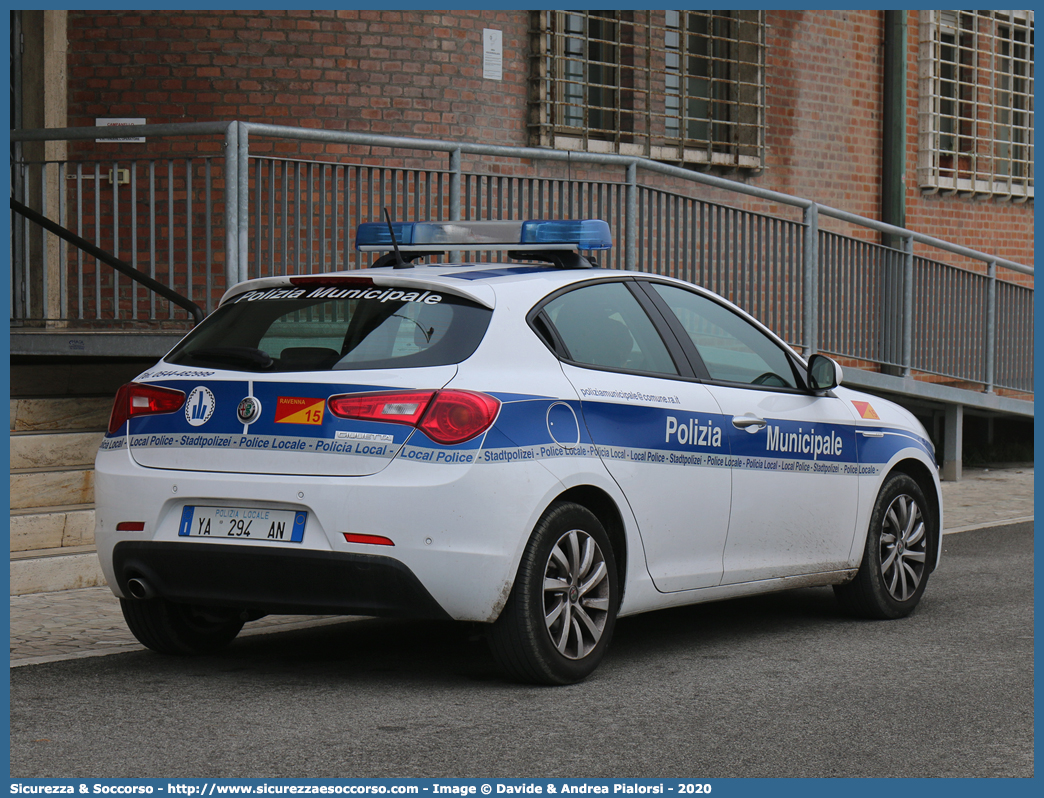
(330, 328)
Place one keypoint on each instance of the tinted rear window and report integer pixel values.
(333, 328)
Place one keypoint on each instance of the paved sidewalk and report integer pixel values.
(988, 496)
(47, 627)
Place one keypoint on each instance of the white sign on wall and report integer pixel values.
(492, 54)
(120, 122)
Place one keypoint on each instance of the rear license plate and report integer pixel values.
(241, 523)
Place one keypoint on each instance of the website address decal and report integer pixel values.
(634, 396)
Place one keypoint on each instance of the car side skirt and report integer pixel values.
(648, 598)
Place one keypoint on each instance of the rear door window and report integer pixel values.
(340, 329)
(604, 326)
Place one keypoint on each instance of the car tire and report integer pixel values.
(895, 566)
(561, 613)
(170, 628)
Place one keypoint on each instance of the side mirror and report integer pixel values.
(824, 374)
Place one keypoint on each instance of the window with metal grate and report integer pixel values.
(678, 86)
(976, 103)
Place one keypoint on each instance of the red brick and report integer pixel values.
(419, 72)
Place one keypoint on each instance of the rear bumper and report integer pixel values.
(275, 581)
(458, 535)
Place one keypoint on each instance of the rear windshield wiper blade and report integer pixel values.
(233, 354)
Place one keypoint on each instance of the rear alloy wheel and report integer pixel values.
(895, 568)
(561, 613)
(170, 628)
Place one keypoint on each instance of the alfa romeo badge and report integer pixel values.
(249, 410)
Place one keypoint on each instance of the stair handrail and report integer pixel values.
(110, 260)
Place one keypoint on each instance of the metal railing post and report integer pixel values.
(231, 205)
(991, 327)
(908, 304)
(631, 217)
(18, 247)
(454, 194)
(45, 286)
(810, 258)
(455, 175)
(243, 190)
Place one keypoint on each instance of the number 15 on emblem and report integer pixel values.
(299, 410)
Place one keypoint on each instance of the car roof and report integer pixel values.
(476, 281)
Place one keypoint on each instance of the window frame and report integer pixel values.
(975, 120)
(642, 115)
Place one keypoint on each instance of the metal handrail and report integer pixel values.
(239, 133)
(174, 129)
(247, 129)
(811, 269)
(810, 213)
(110, 260)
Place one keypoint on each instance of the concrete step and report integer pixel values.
(32, 487)
(54, 414)
(52, 527)
(54, 450)
(55, 569)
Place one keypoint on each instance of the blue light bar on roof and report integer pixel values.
(580, 233)
(376, 236)
(439, 236)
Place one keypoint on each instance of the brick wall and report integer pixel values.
(998, 227)
(419, 74)
(824, 133)
(408, 73)
(824, 107)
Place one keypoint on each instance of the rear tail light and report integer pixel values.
(447, 417)
(458, 416)
(139, 399)
(397, 407)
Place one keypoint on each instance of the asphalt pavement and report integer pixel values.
(776, 686)
(72, 624)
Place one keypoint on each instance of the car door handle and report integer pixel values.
(747, 422)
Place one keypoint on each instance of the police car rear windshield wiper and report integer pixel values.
(426, 333)
(247, 355)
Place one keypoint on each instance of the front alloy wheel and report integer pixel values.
(895, 566)
(903, 541)
(560, 615)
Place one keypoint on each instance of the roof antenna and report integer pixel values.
(399, 262)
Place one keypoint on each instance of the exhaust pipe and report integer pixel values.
(139, 588)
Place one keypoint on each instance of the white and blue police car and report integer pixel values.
(542, 446)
